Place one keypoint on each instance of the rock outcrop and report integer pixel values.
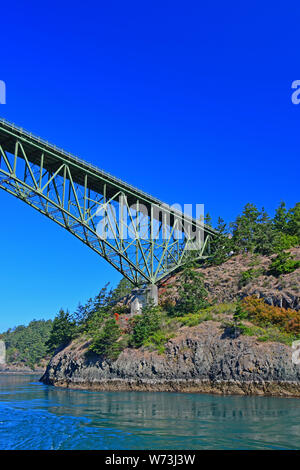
(223, 282)
(200, 359)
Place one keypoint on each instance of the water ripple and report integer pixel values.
(35, 416)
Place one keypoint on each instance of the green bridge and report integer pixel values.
(140, 236)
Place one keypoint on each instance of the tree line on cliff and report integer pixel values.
(26, 345)
(255, 232)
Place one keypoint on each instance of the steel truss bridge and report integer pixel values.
(140, 236)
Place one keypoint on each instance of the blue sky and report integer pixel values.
(188, 101)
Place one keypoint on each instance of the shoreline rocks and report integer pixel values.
(202, 359)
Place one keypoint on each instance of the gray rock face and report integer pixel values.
(200, 359)
(2, 352)
(277, 299)
(223, 282)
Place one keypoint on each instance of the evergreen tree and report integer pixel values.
(293, 226)
(192, 293)
(80, 314)
(145, 325)
(280, 221)
(263, 234)
(208, 220)
(123, 288)
(221, 245)
(63, 330)
(103, 299)
(27, 344)
(105, 341)
(244, 229)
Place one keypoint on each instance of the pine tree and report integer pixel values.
(263, 234)
(105, 341)
(63, 330)
(80, 314)
(123, 288)
(294, 221)
(280, 221)
(208, 219)
(103, 299)
(192, 293)
(221, 245)
(244, 229)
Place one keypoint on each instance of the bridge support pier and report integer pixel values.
(2, 353)
(142, 297)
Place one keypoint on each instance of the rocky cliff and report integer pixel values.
(200, 359)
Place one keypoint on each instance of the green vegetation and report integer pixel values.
(105, 342)
(123, 288)
(253, 317)
(145, 326)
(157, 341)
(255, 232)
(284, 263)
(249, 275)
(252, 232)
(107, 330)
(90, 319)
(221, 245)
(192, 294)
(193, 319)
(63, 331)
(26, 345)
(269, 333)
(191, 290)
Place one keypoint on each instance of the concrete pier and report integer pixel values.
(142, 297)
(2, 352)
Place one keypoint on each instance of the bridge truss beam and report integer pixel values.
(141, 237)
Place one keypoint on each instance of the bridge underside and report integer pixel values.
(141, 237)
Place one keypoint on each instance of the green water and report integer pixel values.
(36, 416)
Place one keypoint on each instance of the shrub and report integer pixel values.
(121, 309)
(105, 341)
(249, 275)
(193, 319)
(284, 263)
(158, 340)
(268, 323)
(270, 333)
(240, 312)
(284, 241)
(220, 309)
(262, 314)
(192, 294)
(144, 326)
